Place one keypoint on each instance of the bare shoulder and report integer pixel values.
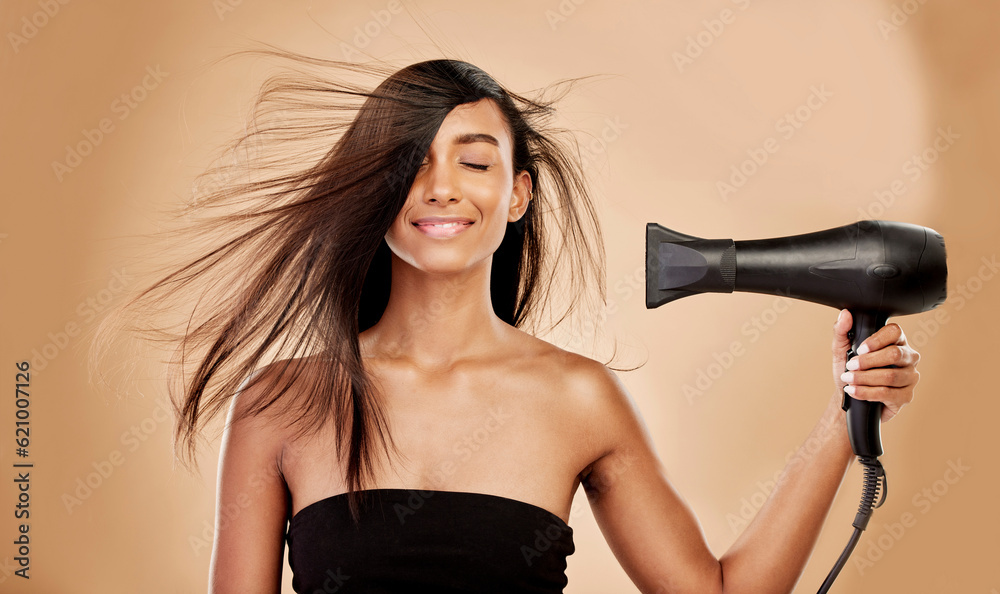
(258, 421)
(265, 413)
(279, 383)
(585, 381)
(594, 398)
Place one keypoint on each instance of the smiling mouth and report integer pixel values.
(443, 230)
(443, 225)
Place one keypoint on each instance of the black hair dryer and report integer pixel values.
(874, 269)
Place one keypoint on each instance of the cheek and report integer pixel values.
(493, 201)
(496, 220)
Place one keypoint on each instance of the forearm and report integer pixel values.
(771, 553)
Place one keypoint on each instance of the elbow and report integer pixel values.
(734, 578)
(708, 580)
(717, 585)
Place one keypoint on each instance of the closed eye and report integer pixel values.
(477, 166)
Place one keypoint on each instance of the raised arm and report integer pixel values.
(655, 536)
(250, 521)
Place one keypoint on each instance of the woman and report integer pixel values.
(420, 439)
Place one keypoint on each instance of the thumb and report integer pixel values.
(840, 347)
(841, 344)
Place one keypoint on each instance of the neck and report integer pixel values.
(436, 320)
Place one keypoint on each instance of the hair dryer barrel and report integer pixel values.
(890, 267)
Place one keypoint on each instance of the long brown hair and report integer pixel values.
(297, 264)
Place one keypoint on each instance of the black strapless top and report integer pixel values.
(435, 541)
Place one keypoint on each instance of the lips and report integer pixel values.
(442, 226)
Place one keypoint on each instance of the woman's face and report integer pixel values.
(464, 193)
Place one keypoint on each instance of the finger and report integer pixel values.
(890, 356)
(886, 335)
(893, 377)
(890, 397)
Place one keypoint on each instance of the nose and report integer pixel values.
(440, 184)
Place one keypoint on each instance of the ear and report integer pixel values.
(520, 196)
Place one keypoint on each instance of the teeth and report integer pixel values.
(448, 225)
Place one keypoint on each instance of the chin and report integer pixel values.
(432, 261)
(443, 266)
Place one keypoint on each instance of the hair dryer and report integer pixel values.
(874, 269)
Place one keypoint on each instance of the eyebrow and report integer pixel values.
(477, 137)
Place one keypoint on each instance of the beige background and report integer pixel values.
(662, 136)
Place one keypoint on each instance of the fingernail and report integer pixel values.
(853, 364)
(840, 317)
(847, 377)
(863, 349)
(849, 390)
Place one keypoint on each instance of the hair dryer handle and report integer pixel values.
(864, 417)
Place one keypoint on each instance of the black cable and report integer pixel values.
(874, 481)
(841, 562)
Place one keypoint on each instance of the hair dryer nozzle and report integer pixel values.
(679, 265)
